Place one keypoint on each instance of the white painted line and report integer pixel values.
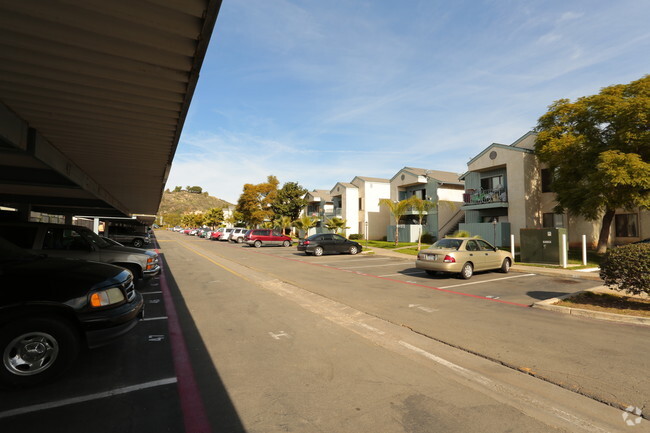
(378, 331)
(403, 273)
(147, 319)
(506, 390)
(150, 293)
(82, 399)
(488, 281)
(373, 266)
(278, 335)
(360, 259)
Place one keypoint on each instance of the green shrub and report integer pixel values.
(427, 238)
(355, 237)
(627, 268)
(384, 238)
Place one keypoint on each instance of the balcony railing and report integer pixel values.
(483, 196)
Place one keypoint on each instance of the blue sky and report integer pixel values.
(317, 92)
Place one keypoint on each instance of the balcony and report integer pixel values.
(485, 198)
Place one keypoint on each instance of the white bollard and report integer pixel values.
(564, 255)
(512, 247)
(584, 250)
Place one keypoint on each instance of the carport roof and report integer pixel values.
(93, 97)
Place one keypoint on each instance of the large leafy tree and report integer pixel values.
(598, 149)
(289, 200)
(213, 217)
(254, 203)
(397, 209)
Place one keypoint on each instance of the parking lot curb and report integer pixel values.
(548, 304)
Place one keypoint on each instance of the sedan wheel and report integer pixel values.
(354, 250)
(286, 244)
(240, 240)
(467, 271)
(318, 251)
(505, 266)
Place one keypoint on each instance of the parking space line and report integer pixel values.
(404, 273)
(372, 266)
(487, 281)
(82, 399)
(147, 319)
(150, 293)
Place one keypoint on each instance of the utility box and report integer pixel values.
(541, 245)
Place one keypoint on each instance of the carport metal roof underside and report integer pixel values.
(93, 96)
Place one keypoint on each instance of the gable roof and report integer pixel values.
(514, 147)
(440, 176)
(371, 179)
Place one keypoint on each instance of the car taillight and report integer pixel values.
(449, 259)
(305, 243)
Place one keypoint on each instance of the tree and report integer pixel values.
(289, 200)
(598, 149)
(336, 224)
(178, 189)
(397, 209)
(254, 203)
(213, 217)
(283, 222)
(422, 207)
(195, 189)
(305, 222)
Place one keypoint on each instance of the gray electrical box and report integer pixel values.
(541, 245)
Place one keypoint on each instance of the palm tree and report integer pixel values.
(397, 209)
(283, 222)
(305, 222)
(422, 207)
(336, 224)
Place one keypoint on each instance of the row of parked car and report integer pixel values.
(318, 244)
(63, 288)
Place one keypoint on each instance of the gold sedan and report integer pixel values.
(463, 256)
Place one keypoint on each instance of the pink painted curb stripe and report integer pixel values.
(194, 415)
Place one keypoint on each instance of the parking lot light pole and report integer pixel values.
(494, 226)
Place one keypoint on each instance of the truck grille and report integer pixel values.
(129, 289)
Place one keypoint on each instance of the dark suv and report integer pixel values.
(51, 307)
(258, 237)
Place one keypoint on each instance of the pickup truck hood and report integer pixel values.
(55, 280)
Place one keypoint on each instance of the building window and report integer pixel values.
(360, 203)
(551, 220)
(547, 178)
(493, 182)
(626, 225)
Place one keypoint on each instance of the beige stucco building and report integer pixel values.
(507, 184)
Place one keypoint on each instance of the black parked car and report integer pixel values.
(326, 243)
(51, 307)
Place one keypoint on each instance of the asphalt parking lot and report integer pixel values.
(139, 383)
(516, 288)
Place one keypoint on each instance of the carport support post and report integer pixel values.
(512, 247)
(564, 252)
(96, 225)
(584, 250)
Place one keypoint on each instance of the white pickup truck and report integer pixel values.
(70, 241)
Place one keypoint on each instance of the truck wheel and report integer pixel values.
(138, 243)
(36, 349)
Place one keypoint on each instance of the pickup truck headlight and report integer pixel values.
(106, 297)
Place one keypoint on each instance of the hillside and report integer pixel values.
(187, 202)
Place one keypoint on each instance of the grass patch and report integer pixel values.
(609, 304)
(386, 245)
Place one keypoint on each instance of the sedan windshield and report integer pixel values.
(450, 244)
